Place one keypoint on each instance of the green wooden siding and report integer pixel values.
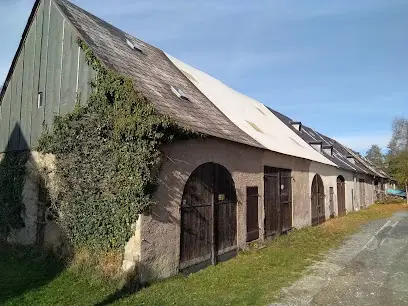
(27, 98)
(5, 121)
(69, 71)
(50, 62)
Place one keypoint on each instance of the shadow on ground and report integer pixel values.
(23, 269)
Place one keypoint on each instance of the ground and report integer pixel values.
(353, 271)
(369, 269)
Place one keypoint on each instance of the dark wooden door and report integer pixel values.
(341, 196)
(318, 209)
(208, 216)
(277, 201)
(286, 200)
(252, 214)
(362, 194)
(331, 202)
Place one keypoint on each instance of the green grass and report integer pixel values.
(252, 278)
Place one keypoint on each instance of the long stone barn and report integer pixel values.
(256, 175)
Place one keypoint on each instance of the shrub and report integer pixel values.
(108, 157)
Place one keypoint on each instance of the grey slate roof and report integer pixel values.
(153, 74)
(340, 152)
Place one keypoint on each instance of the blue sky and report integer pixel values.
(340, 67)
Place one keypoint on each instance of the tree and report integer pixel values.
(398, 166)
(375, 156)
(399, 139)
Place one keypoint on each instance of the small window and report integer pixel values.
(254, 126)
(260, 111)
(179, 93)
(40, 100)
(132, 45)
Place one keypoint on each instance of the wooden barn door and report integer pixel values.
(252, 214)
(208, 217)
(277, 201)
(362, 194)
(318, 209)
(341, 196)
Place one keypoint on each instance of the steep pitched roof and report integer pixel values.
(251, 116)
(153, 74)
(340, 152)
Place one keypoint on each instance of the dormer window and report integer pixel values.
(133, 46)
(351, 159)
(179, 93)
(296, 125)
(328, 150)
(317, 145)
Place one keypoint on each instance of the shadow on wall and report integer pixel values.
(23, 206)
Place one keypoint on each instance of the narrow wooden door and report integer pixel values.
(341, 196)
(277, 201)
(331, 202)
(286, 200)
(252, 214)
(271, 201)
(317, 205)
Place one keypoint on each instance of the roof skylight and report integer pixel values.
(132, 45)
(179, 93)
(254, 126)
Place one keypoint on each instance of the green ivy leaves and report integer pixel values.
(108, 153)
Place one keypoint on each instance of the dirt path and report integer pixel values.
(371, 268)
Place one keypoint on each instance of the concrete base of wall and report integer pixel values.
(40, 187)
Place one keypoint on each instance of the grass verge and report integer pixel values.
(252, 278)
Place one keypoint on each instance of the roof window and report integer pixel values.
(328, 150)
(317, 145)
(132, 45)
(179, 93)
(297, 125)
(260, 111)
(254, 126)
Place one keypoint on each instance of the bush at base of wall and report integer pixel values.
(108, 156)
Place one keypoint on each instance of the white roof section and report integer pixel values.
(251, 116)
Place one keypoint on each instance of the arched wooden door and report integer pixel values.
(208, 218)
(318, 211)
(341, 196)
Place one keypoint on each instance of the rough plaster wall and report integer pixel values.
(370, 196)
(37, 165)
(300, 189)
(131, 256)
(160, 231)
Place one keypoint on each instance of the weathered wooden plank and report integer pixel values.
(5, 120)
(28, 88)
(52, 97)
(42, 25)
(69, 71)
(252, 213)
(15, 113)
(85, 76)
